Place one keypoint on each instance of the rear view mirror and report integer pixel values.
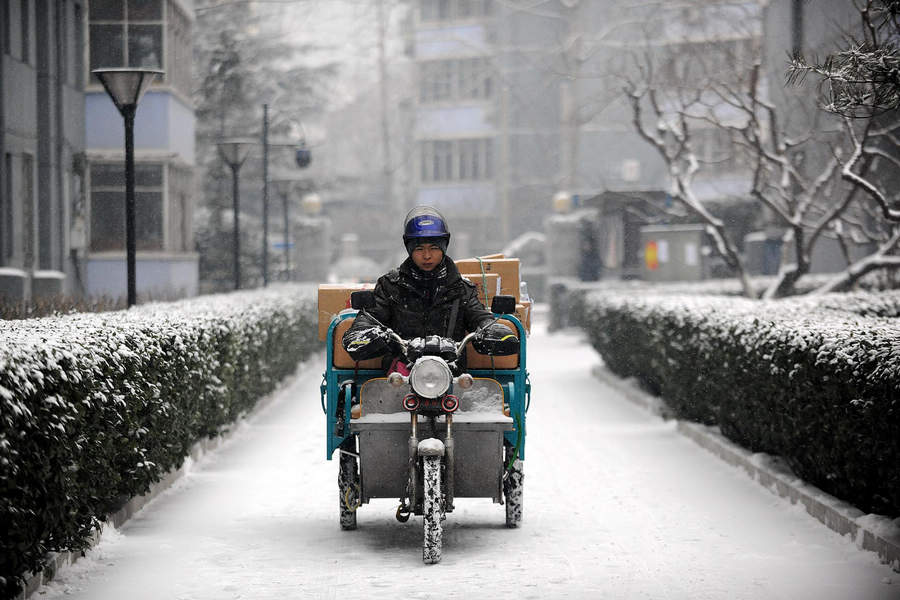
(503, 305)
(362, 299)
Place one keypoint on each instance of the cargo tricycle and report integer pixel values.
(453, 427)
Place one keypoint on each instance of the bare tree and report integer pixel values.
(834, 180)
(671, 138)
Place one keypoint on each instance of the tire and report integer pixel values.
(513, 490)
(348, 490)
(432, 511)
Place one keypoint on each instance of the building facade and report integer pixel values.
(517, 102)
(456, 127)
(153, 34)
(62, 149)
(41, 142)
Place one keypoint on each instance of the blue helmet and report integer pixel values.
(425, 222)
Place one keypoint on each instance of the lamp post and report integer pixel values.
(125, 87)
(302, 157)
(284, 187)
(234, 152)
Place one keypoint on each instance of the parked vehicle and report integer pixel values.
(441, 432)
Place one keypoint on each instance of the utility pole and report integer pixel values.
(504, 163)
(387, 167)
(265, 198)
(572, 59)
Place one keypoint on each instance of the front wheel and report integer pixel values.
(513, 490)
(348, 489)
(432, 509)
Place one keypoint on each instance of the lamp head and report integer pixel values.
(125, 85)
(234, 151)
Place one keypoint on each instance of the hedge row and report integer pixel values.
(814, 380)
(94, 408)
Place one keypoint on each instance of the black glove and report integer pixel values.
(433, 345)
(363, 344)
(496, 340)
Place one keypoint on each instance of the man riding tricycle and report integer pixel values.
(426, 390)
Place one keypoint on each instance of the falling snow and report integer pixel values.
(617, 504)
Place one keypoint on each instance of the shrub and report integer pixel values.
(94, 408)
(813, 379)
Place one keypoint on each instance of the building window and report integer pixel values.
(178, 49)
(699, 63)
(456, 160)
(180, 183)
(63, 50)
(474, 78)
(108, 206)
(26, 31)
(453, 80)
(446, 10)
(26, 199)
(716, 150)
(7, 19)
(77, 50)
(126, 33)
(6, 211)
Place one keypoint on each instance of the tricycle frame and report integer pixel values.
(338, 386)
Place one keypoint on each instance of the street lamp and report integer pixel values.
(126, 86)
(234, 152)
(303, 157)
(284, 187)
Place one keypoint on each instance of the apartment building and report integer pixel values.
(519, 101)
(152, 34)
(62, 148)
(42, 71)
(455, 118)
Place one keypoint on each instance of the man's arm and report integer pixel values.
(367, 338)
(475, 315)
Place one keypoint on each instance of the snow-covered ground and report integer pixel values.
(617, 505)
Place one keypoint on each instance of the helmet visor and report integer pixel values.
(425, 222)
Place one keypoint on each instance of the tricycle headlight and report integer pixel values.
(430, 377)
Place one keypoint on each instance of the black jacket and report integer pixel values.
(415, 304)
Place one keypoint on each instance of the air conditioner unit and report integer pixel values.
(631, 170)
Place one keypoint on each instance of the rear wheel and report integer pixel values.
(432, 509)
(348, 489)
(513, 489)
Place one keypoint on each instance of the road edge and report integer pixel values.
(873, 533)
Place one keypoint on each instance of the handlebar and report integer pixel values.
(459, 346)
(404, 344)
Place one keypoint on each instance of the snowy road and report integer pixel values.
(617, 505)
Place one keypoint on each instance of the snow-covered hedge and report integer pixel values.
(813, 379)
(94, 408)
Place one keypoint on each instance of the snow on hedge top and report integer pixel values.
(836, 327)
(71, 333)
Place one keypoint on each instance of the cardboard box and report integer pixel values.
(507, 268)
(333, 298)
(489, 281)
(492, 256)
(523, 313)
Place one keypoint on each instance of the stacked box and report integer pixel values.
(523, 313)
(333, 298)
(506, 268)
(487, 286)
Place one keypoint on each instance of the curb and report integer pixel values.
(874, 533)
(55, 561)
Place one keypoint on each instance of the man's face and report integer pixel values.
(427, 256)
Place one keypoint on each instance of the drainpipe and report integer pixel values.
(3, 173)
